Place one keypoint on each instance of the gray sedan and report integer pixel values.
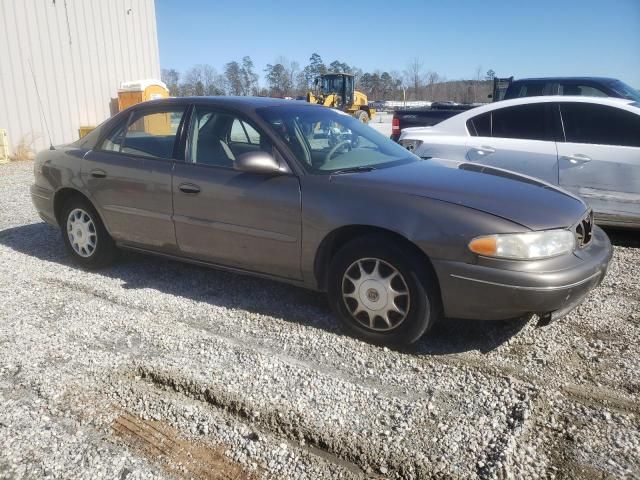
(308, 195)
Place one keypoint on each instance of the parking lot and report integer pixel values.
(156, 369)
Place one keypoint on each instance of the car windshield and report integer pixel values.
(625, 90)
(326, 141)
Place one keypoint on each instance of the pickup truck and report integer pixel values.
(425, 117)
(507, 88)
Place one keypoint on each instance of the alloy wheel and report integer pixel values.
(82, 233)
(376, 294)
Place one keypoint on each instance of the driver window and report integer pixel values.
(326, 141)
(218, 138)
(323, 143)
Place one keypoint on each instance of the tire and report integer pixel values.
(362, 116)
(94, 247)
(421, 303)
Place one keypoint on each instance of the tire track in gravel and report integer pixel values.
(160, 443)
(492, 460)
(221, 404)
(337, 449)
(588, 396)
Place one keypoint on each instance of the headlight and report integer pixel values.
(411, 145)
(525, 246)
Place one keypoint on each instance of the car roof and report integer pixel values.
(566, 79)
(454, 124)
(611, 101)
(614, 101)
(239, 102)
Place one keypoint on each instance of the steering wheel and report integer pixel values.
(335, 148)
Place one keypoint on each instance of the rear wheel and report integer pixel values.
(84, 234)
(362, 116)
(381, 293)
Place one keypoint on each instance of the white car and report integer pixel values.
(589, 146)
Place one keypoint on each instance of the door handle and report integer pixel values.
(189, 188)
(577, 158)
(484, 150)
(97, 173)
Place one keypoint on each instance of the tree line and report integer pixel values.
(284, 78)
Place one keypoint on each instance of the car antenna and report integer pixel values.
(44, 117)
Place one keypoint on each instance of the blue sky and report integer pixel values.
(453, 38)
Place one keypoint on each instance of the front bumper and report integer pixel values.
(489, 293)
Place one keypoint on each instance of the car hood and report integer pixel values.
(527, 201)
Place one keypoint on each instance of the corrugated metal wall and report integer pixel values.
(80, 51)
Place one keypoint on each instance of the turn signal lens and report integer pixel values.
(525, 246)
(484, 246)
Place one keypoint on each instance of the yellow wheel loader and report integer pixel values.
(337, 90)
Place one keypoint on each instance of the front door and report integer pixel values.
(129, 177)
(245, 220)
(600, 159)
(516, 138)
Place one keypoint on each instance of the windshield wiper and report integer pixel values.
(353, 170)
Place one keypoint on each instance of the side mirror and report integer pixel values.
(257, 162)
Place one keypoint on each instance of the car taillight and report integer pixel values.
(395, 125)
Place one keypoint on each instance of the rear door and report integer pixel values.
(245, 220)
(129, 177)
(600, 159)
(519, 138)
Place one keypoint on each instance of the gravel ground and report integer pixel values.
(382, 123)
(156, 369)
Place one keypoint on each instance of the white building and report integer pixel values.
(77, 52)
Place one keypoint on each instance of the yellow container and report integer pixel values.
(132, 93)
(4, 146)
(84, 130)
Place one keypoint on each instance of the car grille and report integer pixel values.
(584, 230)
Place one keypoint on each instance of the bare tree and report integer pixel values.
(248, 78)
(477, 79)
(202, 80)
(414, 75)
(294, 71)
(171, 78)
(432, 78)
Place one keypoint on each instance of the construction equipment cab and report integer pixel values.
(337, 90)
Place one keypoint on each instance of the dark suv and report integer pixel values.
(583, 86)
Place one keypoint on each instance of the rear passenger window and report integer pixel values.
(531, 90)
(526, 122)
(581, 90)
(480, 126)
(600, 124)
(147, 134)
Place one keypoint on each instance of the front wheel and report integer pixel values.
(382, 293)
(362, 116)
